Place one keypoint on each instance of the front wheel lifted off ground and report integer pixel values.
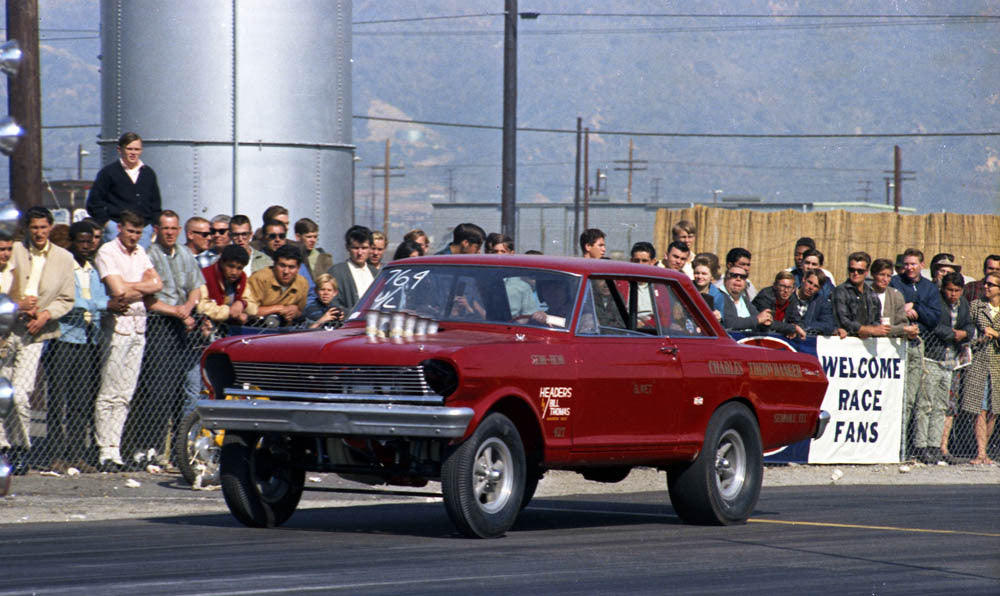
(483, 479)
(722, 485)
(197, 450)
(260, 480)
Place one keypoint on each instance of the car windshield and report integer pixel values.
(503, 295)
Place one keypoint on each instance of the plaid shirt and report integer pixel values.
(852, 308)
(206, 258)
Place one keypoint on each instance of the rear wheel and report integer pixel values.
(261, 481)
(483, 479)
(722, 485)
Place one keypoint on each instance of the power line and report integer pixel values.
(683, 29)
(702, 15)
(436, 18)
(58, 126)
(708, 135)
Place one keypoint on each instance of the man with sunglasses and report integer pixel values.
(220, 232)
(923, 307)
(976, 290)
(198, 231)
(856, 308)
(738, 312)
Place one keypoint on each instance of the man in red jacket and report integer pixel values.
(226, 283)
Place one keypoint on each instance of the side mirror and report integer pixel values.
(8, 315)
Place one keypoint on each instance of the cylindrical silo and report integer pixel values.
(241, 104)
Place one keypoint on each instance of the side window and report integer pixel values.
(617, 307)
(601, 314)
(676, 319)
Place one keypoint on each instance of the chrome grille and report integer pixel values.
(333, 378)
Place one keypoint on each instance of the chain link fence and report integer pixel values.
(64, 414)
(942, 401)
(72, 392)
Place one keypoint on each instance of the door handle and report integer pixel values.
(672, 350)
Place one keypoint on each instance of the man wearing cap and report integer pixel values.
(941, 265)
(923, 307)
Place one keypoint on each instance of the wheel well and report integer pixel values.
(746, 402)
(524, 419)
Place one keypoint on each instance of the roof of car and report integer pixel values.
(577, 265)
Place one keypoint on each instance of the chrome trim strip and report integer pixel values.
(429, 400)
(373, 420)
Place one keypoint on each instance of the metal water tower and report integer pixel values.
(241, 104)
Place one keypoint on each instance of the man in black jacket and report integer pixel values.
(125, 184)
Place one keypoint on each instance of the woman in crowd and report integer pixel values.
(704, 275)
(406, 249)
(981, 393)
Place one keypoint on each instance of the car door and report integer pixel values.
(627, 370)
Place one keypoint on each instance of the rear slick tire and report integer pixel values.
(483, 479)
(722, 485)
(260, 481)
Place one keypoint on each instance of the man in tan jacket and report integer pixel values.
(44, 292)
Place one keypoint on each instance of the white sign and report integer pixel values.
(864, 399)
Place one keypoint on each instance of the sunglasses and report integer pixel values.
(239, 234)
(736, 275)
(990, 284)
(275, 236)
(202, 234)
(857, 270)
(219, 231)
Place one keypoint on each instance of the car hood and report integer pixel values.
(351, 345)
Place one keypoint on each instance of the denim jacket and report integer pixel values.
(73, 327)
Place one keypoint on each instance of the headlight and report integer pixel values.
(219, 373)
(6, 397)
(8, 314)
(441, 376)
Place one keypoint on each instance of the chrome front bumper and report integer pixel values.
(5, 474)
(371, 420)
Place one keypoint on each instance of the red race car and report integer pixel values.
(483, 372)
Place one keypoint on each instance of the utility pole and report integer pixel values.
(631, 168)
(866, 189)
(385, 167)
(451, 185)
(586, 185)
(898, 176)
(576, 190)
(508, 198)
(24, 103)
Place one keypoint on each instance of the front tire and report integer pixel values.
(722, 485)
(261, 481)
(197, 450)
(483, 479)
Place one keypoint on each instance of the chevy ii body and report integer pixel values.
(483, 372)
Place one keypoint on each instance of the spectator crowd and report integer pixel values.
(114, 311)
